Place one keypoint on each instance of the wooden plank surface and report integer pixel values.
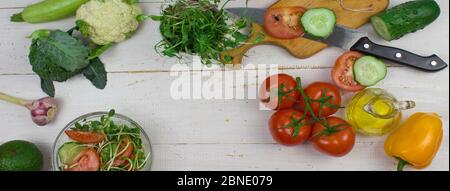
(201, 134)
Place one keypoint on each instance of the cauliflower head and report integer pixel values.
(108, 21)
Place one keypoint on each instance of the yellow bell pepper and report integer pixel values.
(417, 141)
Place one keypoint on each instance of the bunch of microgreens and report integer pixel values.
(111, 147)
(324, 101)
(198, 27)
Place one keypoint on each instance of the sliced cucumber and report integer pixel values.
(319, 22)
(405, 18)
(369, 70)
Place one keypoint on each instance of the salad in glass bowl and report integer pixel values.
(102, 141)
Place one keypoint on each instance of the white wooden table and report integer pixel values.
(210, 134)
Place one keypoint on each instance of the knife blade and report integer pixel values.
(351, 39)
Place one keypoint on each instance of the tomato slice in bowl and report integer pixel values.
(284, 22)
(342, 72)
(85, 137)
(126, 150)
(87, 160)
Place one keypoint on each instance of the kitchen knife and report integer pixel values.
(350, 39)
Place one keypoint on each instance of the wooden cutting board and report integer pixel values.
(301, 47)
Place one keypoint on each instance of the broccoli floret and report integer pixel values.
(56, 56)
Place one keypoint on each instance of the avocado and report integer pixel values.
(20, 155)
(69, 151)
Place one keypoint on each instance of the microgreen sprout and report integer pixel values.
(198, 27)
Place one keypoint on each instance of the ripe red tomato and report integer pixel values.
(126, 149)
(85, 137)
(284, 23)
(325, 93)
(290, 127)
(279, 92)
(336, 141)
(87, 160)
(342, 72)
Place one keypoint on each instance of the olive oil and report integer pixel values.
(375, 112)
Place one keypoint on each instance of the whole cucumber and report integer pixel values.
(48, 10)
(405, 18)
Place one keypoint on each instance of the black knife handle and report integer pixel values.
(431, 63)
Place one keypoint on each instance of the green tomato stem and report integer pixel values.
(306, 99)
(308, 109)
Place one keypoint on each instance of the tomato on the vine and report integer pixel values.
(279, 92)
(333, 136)
(290, 127)
(324, 99)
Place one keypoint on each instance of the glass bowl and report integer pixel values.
(118, 119)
